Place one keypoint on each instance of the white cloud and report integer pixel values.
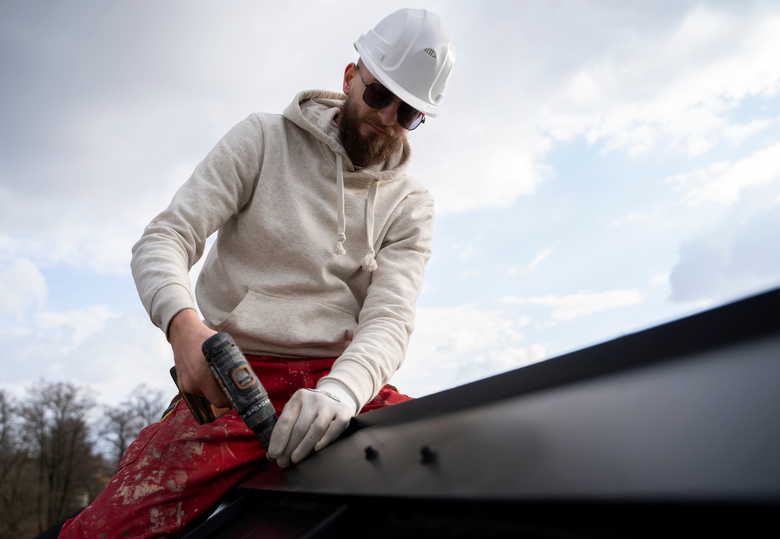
(567, 308)
(21, 286)
(760, 168)
(130, 351)
(538, 259)
(461, 329)
(667, 81)
(446, 338)
(737, 133)
(635, 217)
(498, 361)
(468, 252)
(695, 179)
(487, 175)
(673, 92)
(110, 352)
(511, 272)
(72, 328)
(513, 357)
(660, 278)
(469, 274)
(737, 256)
(101, 250)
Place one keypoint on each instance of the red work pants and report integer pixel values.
(176, 470)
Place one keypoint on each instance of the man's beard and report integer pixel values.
(368, 150)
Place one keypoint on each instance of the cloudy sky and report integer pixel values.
(599, 168)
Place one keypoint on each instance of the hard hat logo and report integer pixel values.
(410, 52)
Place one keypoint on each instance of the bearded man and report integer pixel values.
(321, 249)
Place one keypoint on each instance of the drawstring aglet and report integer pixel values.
(369, 263)
(338, 246)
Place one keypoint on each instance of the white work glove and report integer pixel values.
(311, 419)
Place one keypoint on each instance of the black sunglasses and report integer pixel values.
(378, 97)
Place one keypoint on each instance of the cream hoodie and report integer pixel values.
(286, 200)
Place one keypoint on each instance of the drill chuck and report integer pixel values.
(241, 385)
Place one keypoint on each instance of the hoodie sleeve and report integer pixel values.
(386, 320)
(222, 184)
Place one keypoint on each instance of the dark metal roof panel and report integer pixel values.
(685, 411)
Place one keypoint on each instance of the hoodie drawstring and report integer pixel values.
(369, 261)
(341, 237)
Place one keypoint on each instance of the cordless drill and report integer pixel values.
(240, 384)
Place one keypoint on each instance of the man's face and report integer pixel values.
(370, 136)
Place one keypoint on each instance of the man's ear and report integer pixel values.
(349, 77)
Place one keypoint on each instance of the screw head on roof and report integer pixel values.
(428, 454)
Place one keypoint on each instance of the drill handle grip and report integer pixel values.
(200, 407)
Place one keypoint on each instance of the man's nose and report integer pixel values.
(388, 114)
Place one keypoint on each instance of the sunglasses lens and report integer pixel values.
(409, 118)
(378, 97)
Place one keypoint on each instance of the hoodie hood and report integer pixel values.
(314, 111)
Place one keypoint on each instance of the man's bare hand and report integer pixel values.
(186, 334)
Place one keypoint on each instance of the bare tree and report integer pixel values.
(55, 418)
(15, 471)
(49, 466)
(118, 429)
(122, 423)
(150, 403)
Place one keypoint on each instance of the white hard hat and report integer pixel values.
(410, 52)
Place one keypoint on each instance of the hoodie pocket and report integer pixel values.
(290, 322)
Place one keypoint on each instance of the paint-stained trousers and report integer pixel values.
(176, 470)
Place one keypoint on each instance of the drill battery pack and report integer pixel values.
(240, 385)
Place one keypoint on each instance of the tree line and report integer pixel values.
(59, 449)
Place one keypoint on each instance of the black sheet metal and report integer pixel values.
(651, 416)
(678, 420)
